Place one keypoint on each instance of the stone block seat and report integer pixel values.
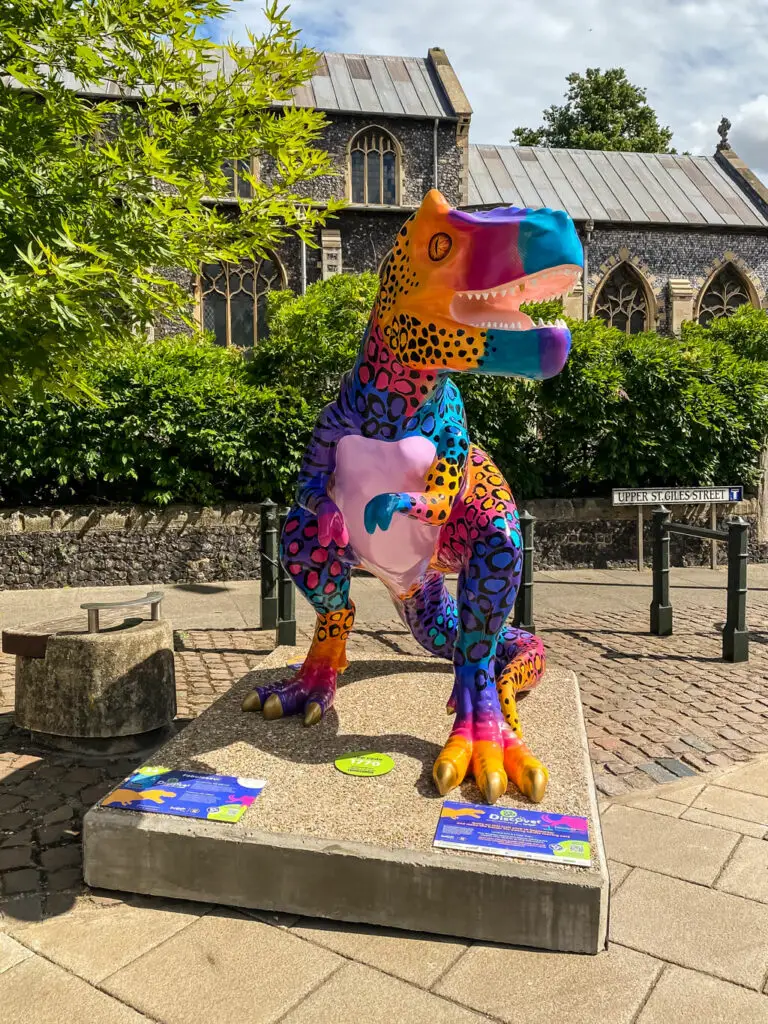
(92, 688)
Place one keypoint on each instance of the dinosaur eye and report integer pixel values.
(439, 246)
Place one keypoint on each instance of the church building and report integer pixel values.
(667, 238)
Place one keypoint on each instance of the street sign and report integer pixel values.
(676, 495)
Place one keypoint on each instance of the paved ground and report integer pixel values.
(689, 922)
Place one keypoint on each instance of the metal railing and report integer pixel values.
(522, 615)
(278, 596)
(736, 536)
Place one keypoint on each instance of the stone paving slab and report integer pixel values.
(682, 849)
(746, 828)
(746, 873)
(318, 842)
(722, 935)
(414, 957)
(97, 942)
(39, 992)
(682, 997)
(225, 967)
(540, 988)
(358, 994)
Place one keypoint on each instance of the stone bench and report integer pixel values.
(81, 686)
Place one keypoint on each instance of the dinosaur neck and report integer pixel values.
(401, 390)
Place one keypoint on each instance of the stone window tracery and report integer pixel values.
(233, 299)
(723, 295)
(374, 168)
(622, 301)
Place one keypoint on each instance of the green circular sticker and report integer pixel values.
(365, 763)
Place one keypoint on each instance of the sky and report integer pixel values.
(698, 59)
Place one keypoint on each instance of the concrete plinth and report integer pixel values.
(108, 691)
(320, 843)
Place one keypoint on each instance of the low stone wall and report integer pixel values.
(77, 547)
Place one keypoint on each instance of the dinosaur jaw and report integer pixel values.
(499, 308)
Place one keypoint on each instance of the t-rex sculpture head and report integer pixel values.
(452, 288)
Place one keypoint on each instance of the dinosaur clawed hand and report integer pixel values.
(494, 755)
(379, 511)
(309, 693)
(331, 527)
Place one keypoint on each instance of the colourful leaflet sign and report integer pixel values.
(510, 832)
(185, 794)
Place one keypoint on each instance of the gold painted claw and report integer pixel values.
(446, 777)
(313, 713)
(495, 784)
(273, 708)
(252, 702)
(534, 783)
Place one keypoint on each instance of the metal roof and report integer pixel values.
(355, 83)
(347, 83)
(641, 188)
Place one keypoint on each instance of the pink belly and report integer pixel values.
(366, 467)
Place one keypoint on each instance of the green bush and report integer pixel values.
(645, 409)
(179, 420)
(746, 332)
(313, 338)
(183, 420)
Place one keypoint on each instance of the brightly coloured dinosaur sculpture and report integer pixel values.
(391, 482)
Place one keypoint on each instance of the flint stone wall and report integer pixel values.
(77, 547)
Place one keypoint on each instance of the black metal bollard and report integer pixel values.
(661, 609)
(286, 599)
(270, 560)
(735, 633)
(523, 613)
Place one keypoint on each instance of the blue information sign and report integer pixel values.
(510, 832)
(185, 794)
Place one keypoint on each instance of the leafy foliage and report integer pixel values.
(181, 420)
(100, 195)
(746, 331)
(313, 338)
(602, 110)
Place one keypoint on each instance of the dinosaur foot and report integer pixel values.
(493, 762)
(309, 693)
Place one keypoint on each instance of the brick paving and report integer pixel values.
(655, 708)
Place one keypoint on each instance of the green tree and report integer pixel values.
(602, 110)
(107, 187)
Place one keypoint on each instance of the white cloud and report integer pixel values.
(698, 59)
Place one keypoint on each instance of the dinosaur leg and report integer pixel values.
(490, 658)
(322, 574)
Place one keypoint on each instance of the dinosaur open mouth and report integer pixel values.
(499, 307)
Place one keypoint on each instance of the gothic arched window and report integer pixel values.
(622, 300)
(723, 295)
(374, 168)
(233, 299)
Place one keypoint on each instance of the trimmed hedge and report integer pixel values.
(181, 420)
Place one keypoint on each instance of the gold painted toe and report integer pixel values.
(446, 777)
(252, 702)
(273, 707)
(313, 713)
(495, 784)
